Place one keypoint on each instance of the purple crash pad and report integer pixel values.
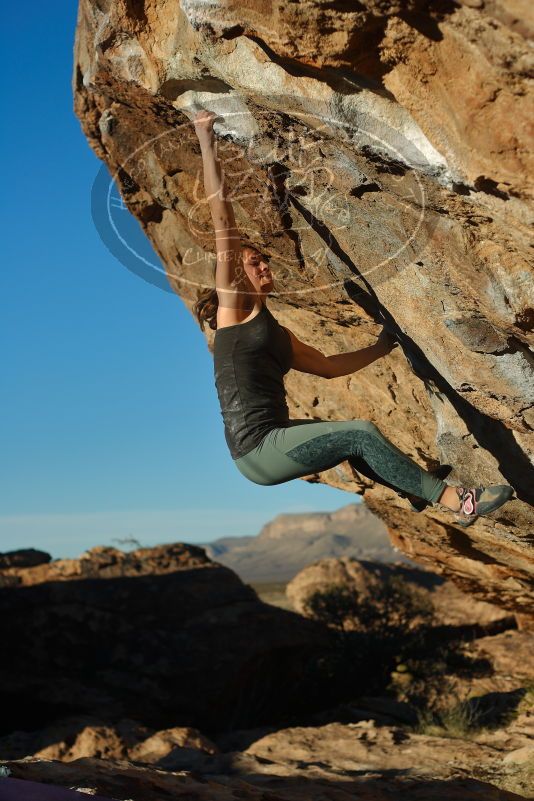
(22, 790)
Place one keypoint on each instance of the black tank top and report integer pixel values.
(250, 360)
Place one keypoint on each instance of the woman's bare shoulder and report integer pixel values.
(228, 316)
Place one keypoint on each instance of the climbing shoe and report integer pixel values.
(418, 504)
(477, 501)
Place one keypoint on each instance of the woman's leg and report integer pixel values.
(269, 465)
(306, 447)
(362, 443)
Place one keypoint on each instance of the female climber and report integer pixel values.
(252, 353)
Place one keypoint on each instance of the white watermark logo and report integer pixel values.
(328, 201)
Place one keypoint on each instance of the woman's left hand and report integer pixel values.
(386, 342)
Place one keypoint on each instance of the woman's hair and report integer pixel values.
(207, 303)
(206, 307)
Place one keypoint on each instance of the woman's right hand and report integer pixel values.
(386, 342)
(203, 122)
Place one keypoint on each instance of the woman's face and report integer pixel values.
(258, 271)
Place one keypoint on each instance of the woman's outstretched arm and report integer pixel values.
(214, 179)
(308, 359)
(229, 277)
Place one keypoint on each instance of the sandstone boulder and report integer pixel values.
(451, 606)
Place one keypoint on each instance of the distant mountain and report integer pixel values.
(291, 541)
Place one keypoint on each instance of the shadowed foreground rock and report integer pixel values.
(162, 635)
(364, 748)
(381, 154)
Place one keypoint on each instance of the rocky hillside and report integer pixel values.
(291, 541)
(380, 153)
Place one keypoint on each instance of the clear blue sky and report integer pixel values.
(110, 424)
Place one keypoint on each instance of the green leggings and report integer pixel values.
(310, 446)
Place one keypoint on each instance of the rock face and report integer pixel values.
(380, 154)
(162, 635)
